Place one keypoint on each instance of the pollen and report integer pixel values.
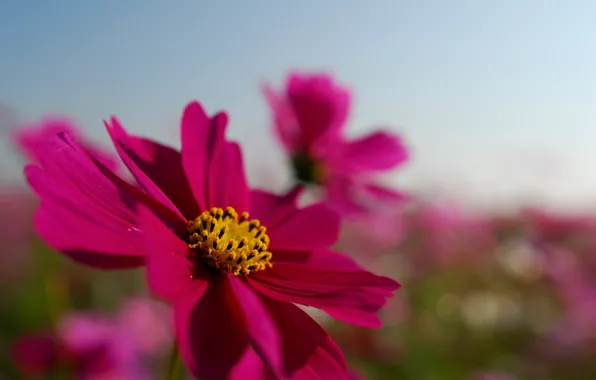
(229, 242)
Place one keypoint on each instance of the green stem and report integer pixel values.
(175, 370)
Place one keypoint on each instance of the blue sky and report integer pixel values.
(496, 98)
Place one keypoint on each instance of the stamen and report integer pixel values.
(229, 242)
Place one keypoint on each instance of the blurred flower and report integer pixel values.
(16, 209)
(441, 233)
(233, 299)
(577, 288)
(29, 138)
(371, 234)
(92, 346)
(309, 116)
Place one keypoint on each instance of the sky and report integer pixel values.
(496, 99)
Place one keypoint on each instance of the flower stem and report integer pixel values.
(175, 370)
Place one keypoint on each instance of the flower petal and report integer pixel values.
(376, 152)
(168, 269)
(320, 106)
(383, 194)
(211, 331)
(121, 140)
(227, 182)
(263, 334)
(86, 211)
(158, 168)
(286, 125)
(271, 209)
(85, 333)
(29, 137)
(314, 226)
(251, 367)
(329, 282)
(341, 195)
(308, 352)
(200, 137)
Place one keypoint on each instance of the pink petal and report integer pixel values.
(157, 168)
(271, 209)
(210, 330)
(148, 324)
(200, 137)
(342, 195)
(227, 182)
(119, 137)
(263, 334)
(384, 195)
(320, 105)
(251, 367)
(168, 269)
(86, 211)
(308, 352)
(286, 125)
(345, 291)
(378, 151)
(84, 333)
(310, 227)
(30, 137)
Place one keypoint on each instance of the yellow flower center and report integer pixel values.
(230, 243)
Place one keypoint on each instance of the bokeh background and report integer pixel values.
(495, 99)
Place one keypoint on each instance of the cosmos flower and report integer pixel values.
(29, 137)
(309, 116)
(232, 262)
(91, 346)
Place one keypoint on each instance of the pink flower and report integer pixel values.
(441, 234)
(90, 346)
(231, 277)
(29, 137)
(309, 118)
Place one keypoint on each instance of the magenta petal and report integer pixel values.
(341, 195)
(286, 125)
(377, 151)
(84, 333)
(227, 182)
(385, 194)
(158, 168)
(349, 294)
(308, 352)
(168, 269)
(201, 135)
(84, 213)
(311, 227)
(261, 329)
(30, 137)
(251, 367)
(271, 209)
(121, 142)
(211, 331)
(320, 105)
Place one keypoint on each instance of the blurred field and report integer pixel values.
(484, 296)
